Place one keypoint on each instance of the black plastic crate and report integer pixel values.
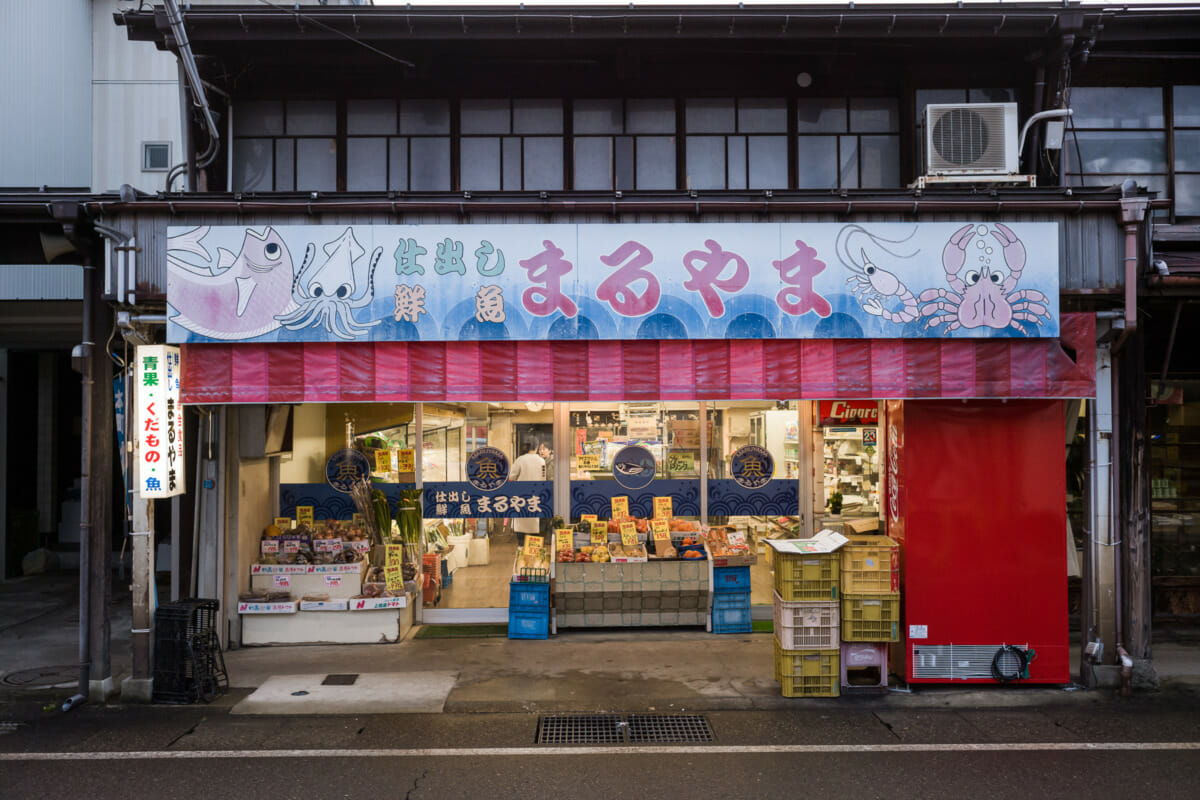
(188, 664)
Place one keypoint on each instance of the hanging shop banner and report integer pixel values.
(158, 421)
(848, 412)
(318, 283)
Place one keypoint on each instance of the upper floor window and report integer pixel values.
(624, 144)
(847, 143)
(402, 146)
(736, 143)
(1114, 134)
(511, 145)
(1186, 116)
(284, 146)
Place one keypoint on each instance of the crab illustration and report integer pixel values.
(985, 295)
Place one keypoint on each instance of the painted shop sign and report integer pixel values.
(854, 412)
(158, 422)
(317, 283)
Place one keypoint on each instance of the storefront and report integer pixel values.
(589, 344)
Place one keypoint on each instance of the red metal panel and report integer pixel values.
(981, 518)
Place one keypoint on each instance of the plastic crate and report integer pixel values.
(731, 612)
(188, 664)
(731, 579)
(870, 565)
(807, 576)
(807, 625)
(528, 624)
(529, 596)
(864, 667)
(871, 618)
(807, 673)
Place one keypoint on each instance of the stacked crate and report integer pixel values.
(731, 600)
(807, 623)
(529, 605)
(870, 571)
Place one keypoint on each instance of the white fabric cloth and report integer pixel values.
(529, 467)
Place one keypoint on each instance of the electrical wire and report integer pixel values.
(1006, 652)
(332, 29)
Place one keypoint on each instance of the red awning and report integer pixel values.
(765, 369)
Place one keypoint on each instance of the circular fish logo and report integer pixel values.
(634, 467)
(752, 466)
(346, 468)
(487, 469)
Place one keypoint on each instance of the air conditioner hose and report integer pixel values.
(1023, 659)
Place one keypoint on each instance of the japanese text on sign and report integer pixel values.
(159, 421)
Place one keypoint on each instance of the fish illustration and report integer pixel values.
(238, 297)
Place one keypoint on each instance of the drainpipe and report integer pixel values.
(199, 97)
(1133, 212)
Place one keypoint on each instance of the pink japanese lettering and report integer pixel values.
(617, 289)
(798, 271)
(547, 268)
(706, 270)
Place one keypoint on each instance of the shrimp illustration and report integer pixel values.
(876, 289)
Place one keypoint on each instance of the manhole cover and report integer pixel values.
(43, 678)
(622, 729)
(346, 679)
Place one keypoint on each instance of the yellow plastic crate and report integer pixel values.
(808, 673)
(807, 576)
(870, 565)
(871, 617)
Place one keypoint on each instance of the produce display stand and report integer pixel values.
(633, 593)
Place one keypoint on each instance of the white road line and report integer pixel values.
(456, 752)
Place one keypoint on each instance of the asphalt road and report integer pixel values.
(1147, 746)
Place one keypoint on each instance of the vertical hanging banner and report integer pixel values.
(158, 422)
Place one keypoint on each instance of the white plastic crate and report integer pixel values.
(807, 625)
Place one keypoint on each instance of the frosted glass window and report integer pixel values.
(424, 116)
(430, 167)
(710, 116)
(258, 118)
(537, 116)
(593, 162)
(1187, 195)
(510, 163)
(376, 117)
(650, 116)
(1118, 151)
(311, 118)
(480, 163)
(735, 154)
(253, 170)
(398, 165)
(879, 162)
(316, 165)
(706, 162)
(1117, 107)
(1187, 106)
(366, 165)
(543, 163)
(821, 116)
(598, 116)
(656, 162)
(623, 161)
(285, 165)
(817, 162)
(848, 161)
(768, 168)
(757, 115)
(1187, 151)
(486, 116)
(874, 115)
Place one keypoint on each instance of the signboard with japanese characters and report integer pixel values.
(158, 422)
(460, 499)
(754, 280)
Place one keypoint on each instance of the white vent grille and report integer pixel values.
(955, 661)
(971, 138)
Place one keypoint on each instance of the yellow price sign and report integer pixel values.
(661, 530)
(629, 533)
(304, 515)
(588, 518)
(394, 575)
(534, 542)
(620, 507)
(599, 532)
(283, 523)
(406, 461)
(383, 461)
(588, 461)
(681, 462)
(395, 554)
(564, 539)
(662, 508)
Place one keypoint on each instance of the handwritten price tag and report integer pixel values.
(534, 542)
(304, 515)
(282, 582)
(620, 507)
(660, 529)
(406, 461)
(588, 461)
(736, 537)
(333, 581)
(564, 539)
(283, 523)
(588, 518)
(383, 460)
(599, 532)
(662, 508)
(394, 575)
(629, 533)
(270, 546)
(395, 554)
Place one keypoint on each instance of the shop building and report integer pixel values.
(685, 233)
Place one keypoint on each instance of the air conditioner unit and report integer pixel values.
(971, 142)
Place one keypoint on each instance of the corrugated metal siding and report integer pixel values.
(1090, 257)
(41, 282)
(45, 93)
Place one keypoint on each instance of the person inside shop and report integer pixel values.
(529, 466)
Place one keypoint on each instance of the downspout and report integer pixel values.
(199, 97)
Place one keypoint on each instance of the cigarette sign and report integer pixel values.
(158, 421)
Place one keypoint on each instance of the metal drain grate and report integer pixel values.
(623, 729)
(340, 679)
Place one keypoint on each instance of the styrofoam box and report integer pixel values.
(377, 603)
(324, 605)
(267, 608)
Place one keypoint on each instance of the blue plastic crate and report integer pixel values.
(529, 596)
(731, 612)
(528, 624)
(447, 575)
(731, 579)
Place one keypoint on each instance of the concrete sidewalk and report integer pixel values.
(650, 669)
